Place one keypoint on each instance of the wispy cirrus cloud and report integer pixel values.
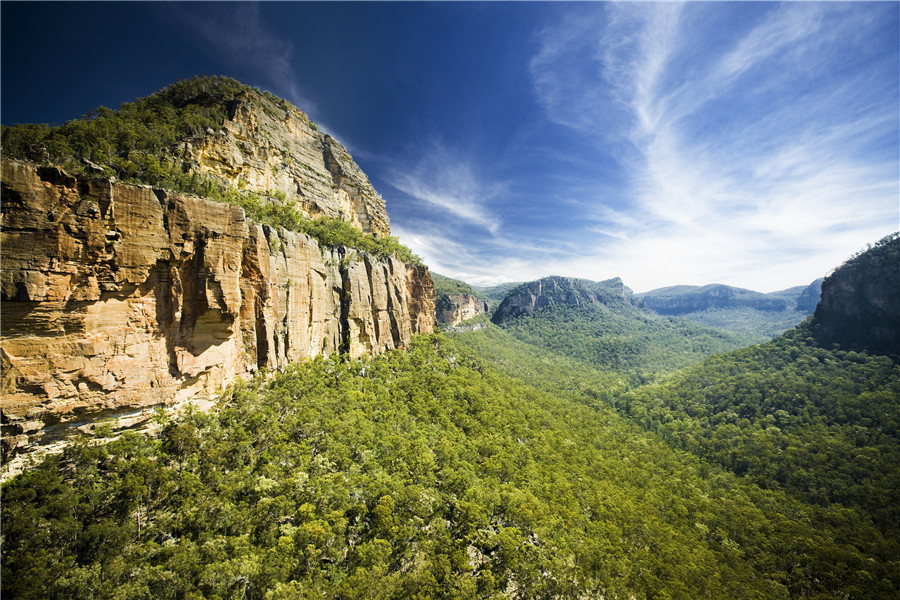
(236, 34)
(757, 160)
(448, 183)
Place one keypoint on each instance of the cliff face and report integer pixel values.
(267, 146)
(119, 296)
(453, 309)
(860, 304)
(550, 291)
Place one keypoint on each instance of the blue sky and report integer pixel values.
(752, 144)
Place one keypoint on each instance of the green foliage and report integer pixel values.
(756, 317)
(445, 286)
(327, 231)
(821, 424)
(128, 142)
(751, 325)
(424, 474)
(496, 293)
(619, 337)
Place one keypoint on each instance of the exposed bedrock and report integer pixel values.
(119, 296)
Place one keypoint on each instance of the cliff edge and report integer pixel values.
(860, 304)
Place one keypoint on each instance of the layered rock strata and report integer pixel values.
(119, 296)
(268, 146)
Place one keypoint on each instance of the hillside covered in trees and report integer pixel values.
(423, 474)
(488, 466)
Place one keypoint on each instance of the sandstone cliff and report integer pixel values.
(267, 145)
(119, 296)
(808, 299)
(453, 309)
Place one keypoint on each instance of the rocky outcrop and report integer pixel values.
(550, 291)
(453, 309)
(860, 304)
(268, 146)
(119, 296)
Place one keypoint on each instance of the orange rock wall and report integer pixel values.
(118, 296)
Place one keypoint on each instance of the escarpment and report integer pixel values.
(453, 309)
(680, 300)
(860, 304)
(119, 296)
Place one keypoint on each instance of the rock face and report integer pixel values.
(453, 309)
(535, 295)
(682, 299)
(119, 296)
(267, 145)
(860, 305)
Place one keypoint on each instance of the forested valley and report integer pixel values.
(426, 473)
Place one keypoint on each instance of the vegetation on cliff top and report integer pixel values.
(129, 142)
(421, 474)
(327, 231)
(446, 286)
(132, 143)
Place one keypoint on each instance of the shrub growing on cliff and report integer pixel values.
(329, 232)
(122, 140)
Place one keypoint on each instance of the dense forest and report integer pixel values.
(822, 424)
(420, 474)
(446, 286)
(621, 337)
(576, 451)
(133, 144)
(752, 325)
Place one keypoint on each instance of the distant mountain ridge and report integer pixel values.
(598, 322)
(555, 290)
(681, 299)
(747, 312)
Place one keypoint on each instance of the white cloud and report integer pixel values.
(444, 180)
(767, 200)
